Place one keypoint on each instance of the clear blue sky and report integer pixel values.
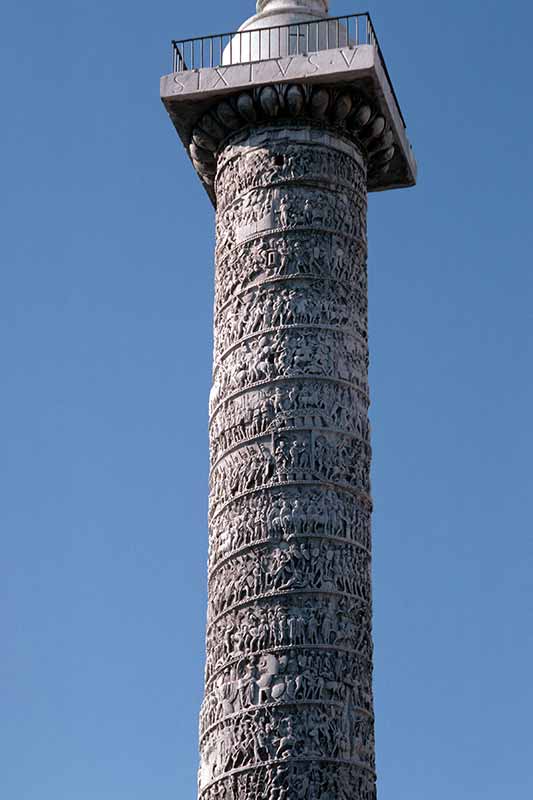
(105, 315)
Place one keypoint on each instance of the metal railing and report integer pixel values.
(261, 44)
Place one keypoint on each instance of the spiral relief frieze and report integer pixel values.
(288, 710)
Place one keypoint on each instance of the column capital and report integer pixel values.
(345, 88)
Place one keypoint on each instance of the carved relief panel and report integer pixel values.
(282, 514)
(288, 700)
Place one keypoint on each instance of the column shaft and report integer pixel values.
(288, 710)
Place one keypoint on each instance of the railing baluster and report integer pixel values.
(300, 37)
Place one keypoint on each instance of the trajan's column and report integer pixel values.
(289, 124)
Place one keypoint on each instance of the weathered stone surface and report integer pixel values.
(288, 711)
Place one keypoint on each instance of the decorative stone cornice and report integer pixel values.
(324, 106)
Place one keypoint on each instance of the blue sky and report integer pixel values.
(105, 343)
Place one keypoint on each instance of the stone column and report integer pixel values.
(287, 139)
(288, 712)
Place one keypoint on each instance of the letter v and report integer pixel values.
(354, 53)
(284, 71)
